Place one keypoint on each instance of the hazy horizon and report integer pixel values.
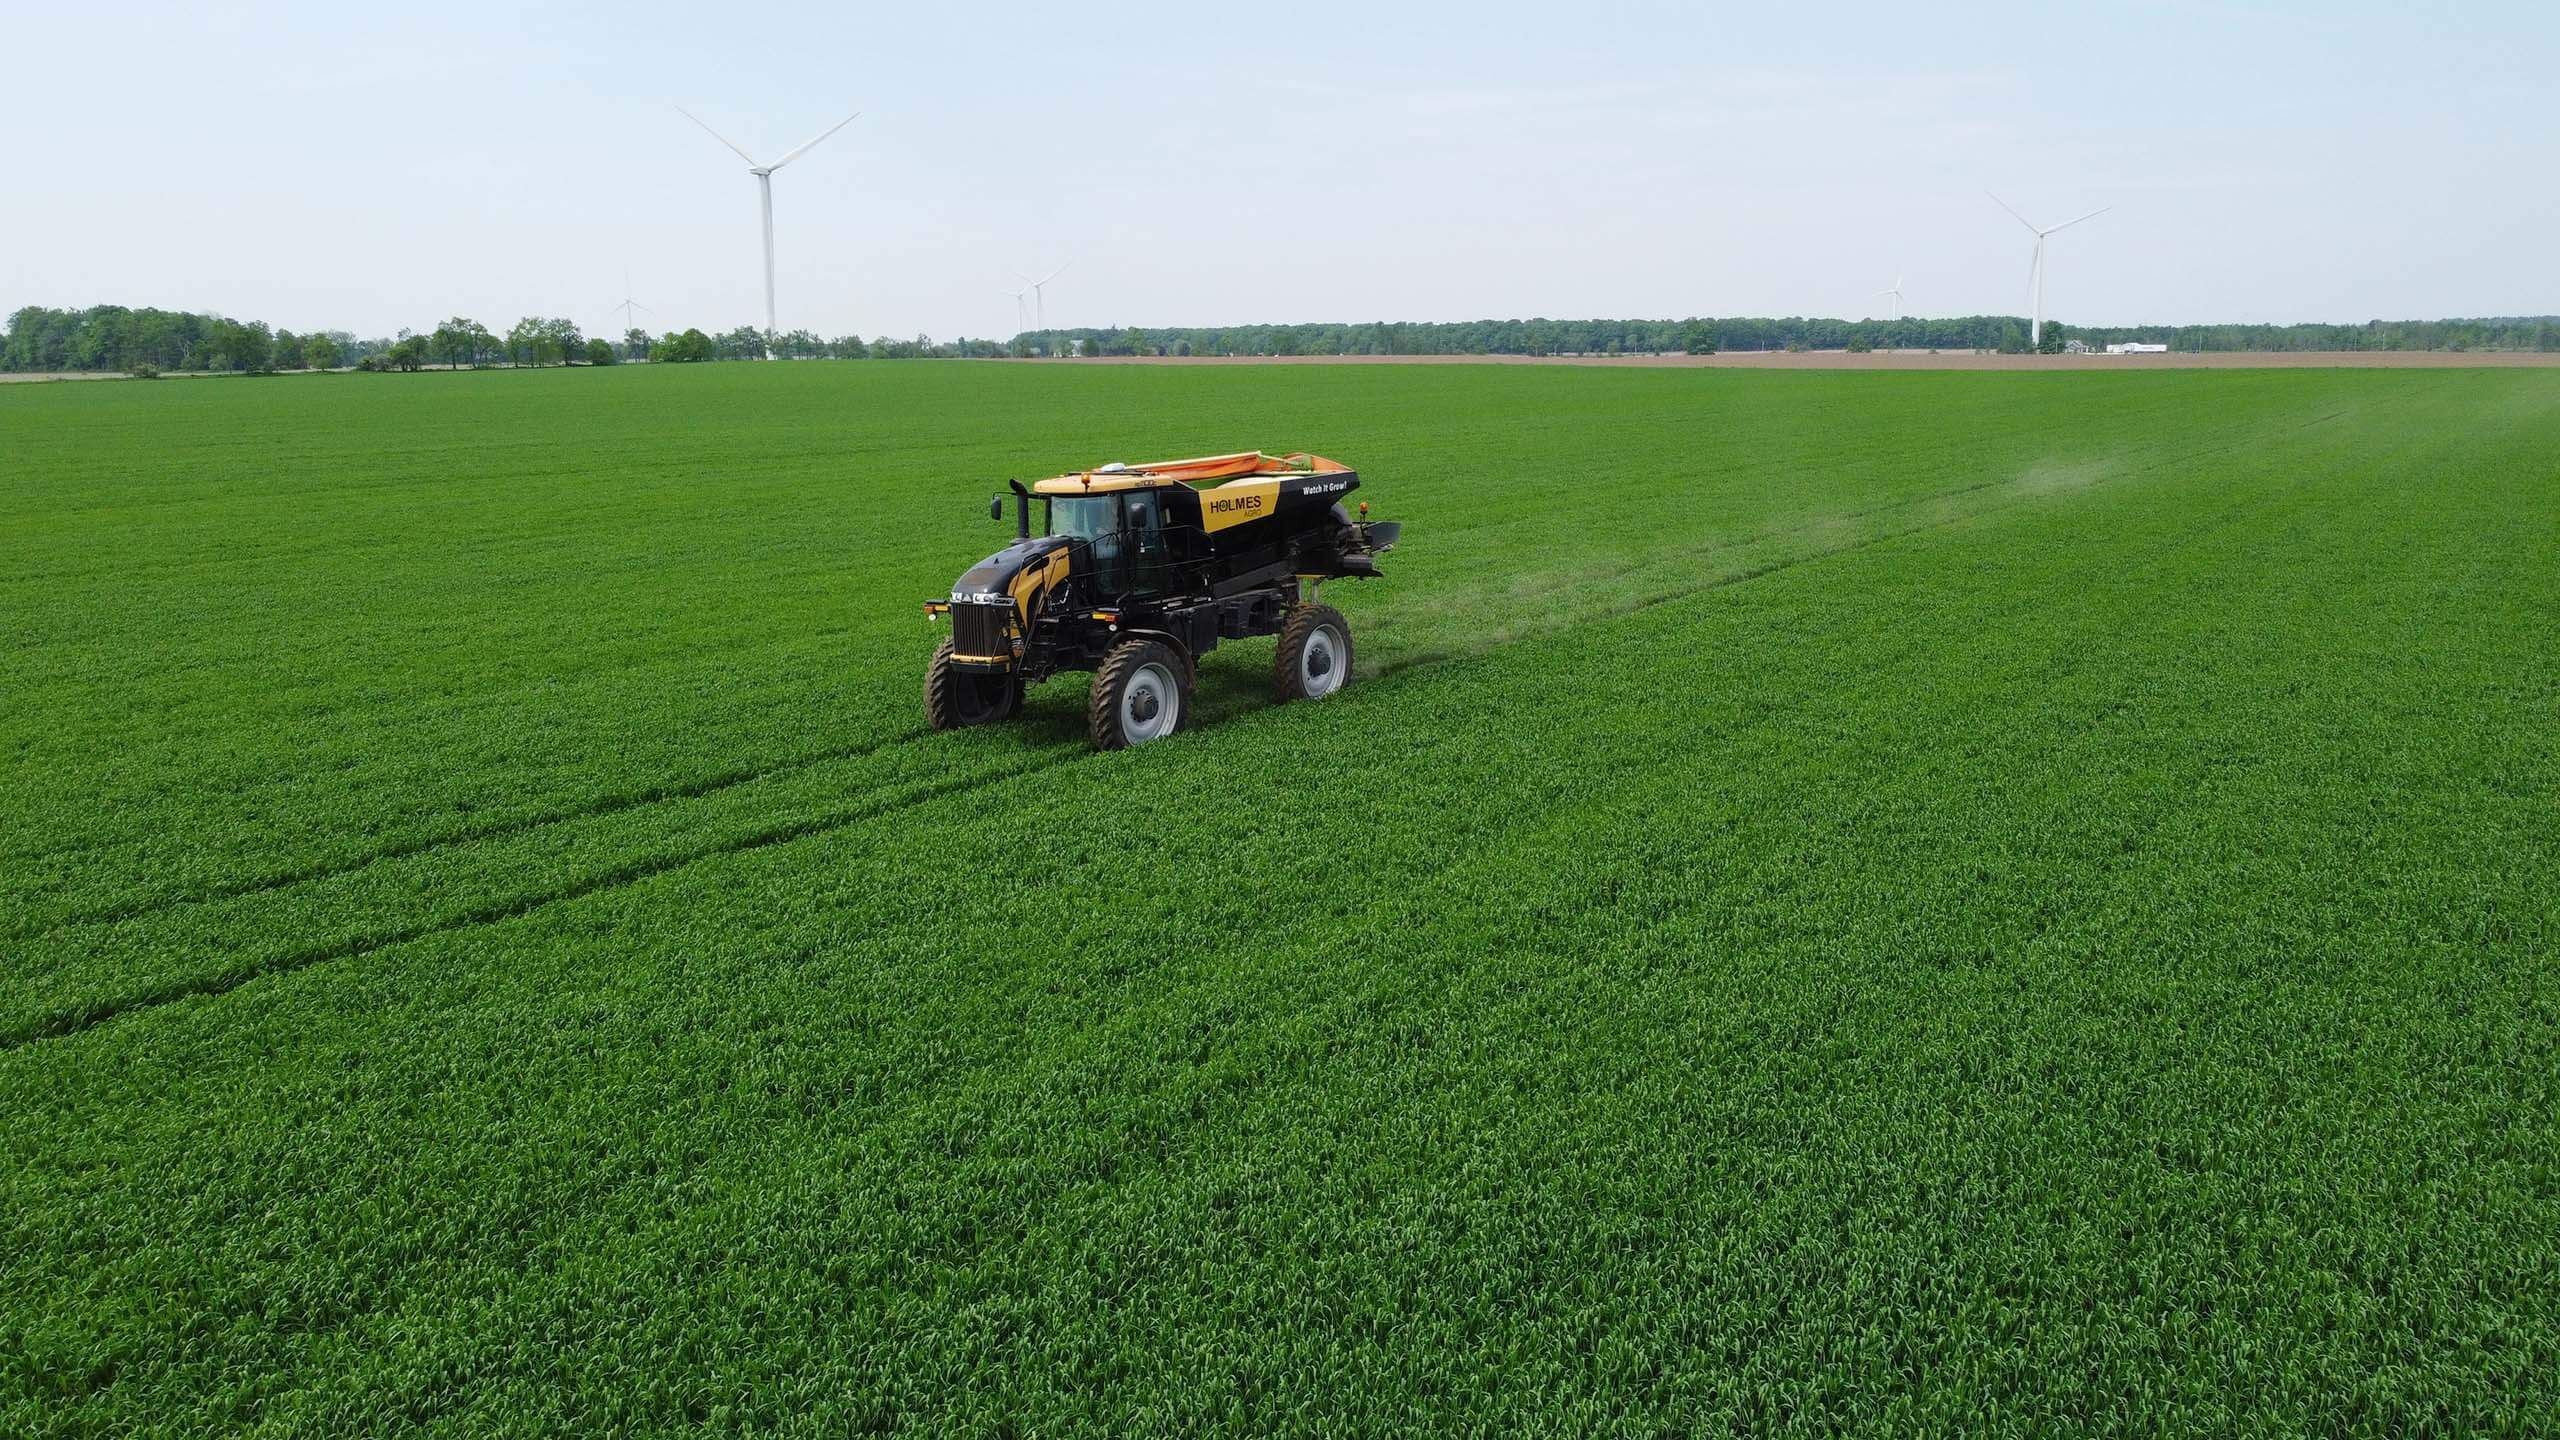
(319, 169)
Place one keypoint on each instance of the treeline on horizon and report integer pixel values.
(149, 341)
(2003, 333)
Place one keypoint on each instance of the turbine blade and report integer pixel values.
(1052, 275)
(2092, 215)
(2021, 219)
(716, 135)
(821, 135)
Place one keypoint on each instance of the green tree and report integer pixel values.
(560, 340)
(320, 353)
(230, 345)
(600, 351)
(690, 347)
(524, 342)
(458, 341)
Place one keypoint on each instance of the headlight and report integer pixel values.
(980, 597)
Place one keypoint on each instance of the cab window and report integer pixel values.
(1085, 517)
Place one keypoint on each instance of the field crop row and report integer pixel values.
(1873, 942)
(403, 630)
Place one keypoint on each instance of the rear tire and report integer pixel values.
(954, 698)
(1314, 659)
(1141, 693)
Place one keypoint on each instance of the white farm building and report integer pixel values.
(2136, 347)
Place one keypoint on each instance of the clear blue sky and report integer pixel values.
(326, 165)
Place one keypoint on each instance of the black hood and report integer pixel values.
(995, 574)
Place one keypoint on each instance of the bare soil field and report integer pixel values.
(1916, 360)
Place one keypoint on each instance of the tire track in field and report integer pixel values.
(80, 1019)
(615, 804)
(89, 1017)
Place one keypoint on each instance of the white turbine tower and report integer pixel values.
(764, 187)
(1040, 297)
(1896, 292)
(2035, 268)
(1021, 309)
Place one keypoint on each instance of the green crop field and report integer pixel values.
(1896, 902)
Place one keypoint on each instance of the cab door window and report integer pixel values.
(1110, 547)
(1151, 556)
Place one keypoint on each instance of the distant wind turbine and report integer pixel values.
(1039, 296)
(628, 305)
(1021, 309)
(1896, 293)
(764, 187)
(2035, 268)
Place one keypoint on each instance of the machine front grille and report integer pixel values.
(980, 629)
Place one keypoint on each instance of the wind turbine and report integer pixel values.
(2035, 269)
(1021, 317)
(628, 305)
(1039, 297)
(1896, 293)
(764, 187)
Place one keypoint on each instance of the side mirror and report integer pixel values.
(995, 507)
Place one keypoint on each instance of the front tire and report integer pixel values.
(954, 698)
(1141, 693)
(1314, 659)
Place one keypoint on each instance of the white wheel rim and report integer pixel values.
(1320, 663)
(1150, 705)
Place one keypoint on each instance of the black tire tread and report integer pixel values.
(942, 699)
(941, 707)
(1303, 621)
(1102, 710)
